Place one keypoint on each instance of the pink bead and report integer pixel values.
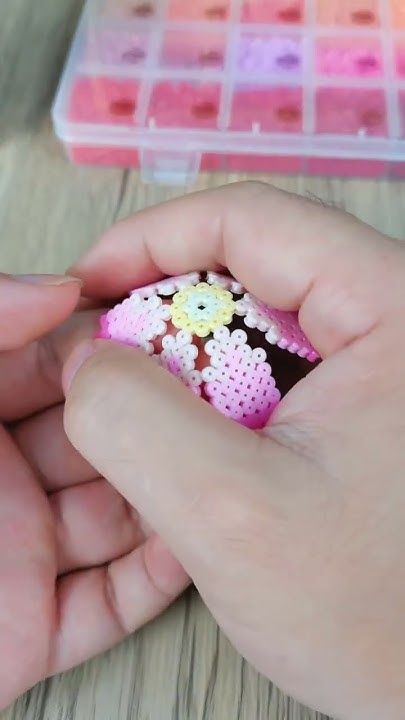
(103, 100)
(206, 10)
(400, 60)
(276, 109)
(122, 48)
(288, 12)
(352, 13)
(186, 49)
(349, 57)
(351, 111)
(183, 104)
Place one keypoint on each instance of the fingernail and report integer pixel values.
(46, 279)
(83, 352)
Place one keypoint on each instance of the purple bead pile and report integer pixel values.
(274, 54)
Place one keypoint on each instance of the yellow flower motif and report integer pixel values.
(201, 309)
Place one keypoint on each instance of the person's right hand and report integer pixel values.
(294, 537)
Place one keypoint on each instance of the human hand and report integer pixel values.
(293, 536)
(67, 538)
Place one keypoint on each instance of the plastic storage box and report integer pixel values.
(175, 86)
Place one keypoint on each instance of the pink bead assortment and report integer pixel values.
(256, 53)
(224, 367)
(353, 58)
(288, 12)
(398, 13)
(113, 47)
(342, 111)
(104, 100)
(350, 13)
(193, 50)
(400, 59)
(131, 9)
(277, 109)
(203, 10)
(185, 104)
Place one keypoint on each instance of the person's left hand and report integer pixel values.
(71, 550)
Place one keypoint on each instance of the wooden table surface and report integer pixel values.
(180, 667)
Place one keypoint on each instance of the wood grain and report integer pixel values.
(180, 667)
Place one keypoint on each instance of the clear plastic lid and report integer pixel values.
(175, 79)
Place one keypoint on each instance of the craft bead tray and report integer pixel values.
(175, 86)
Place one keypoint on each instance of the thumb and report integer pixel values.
(184, 466)
(32, 305)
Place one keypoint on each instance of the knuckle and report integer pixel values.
(47, 360)
(298, 431)
(113, 605)
(255, 188)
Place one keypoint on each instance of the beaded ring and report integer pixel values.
(203, 329)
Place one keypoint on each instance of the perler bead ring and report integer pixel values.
(205, 329)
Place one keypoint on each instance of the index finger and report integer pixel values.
(292, 253)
